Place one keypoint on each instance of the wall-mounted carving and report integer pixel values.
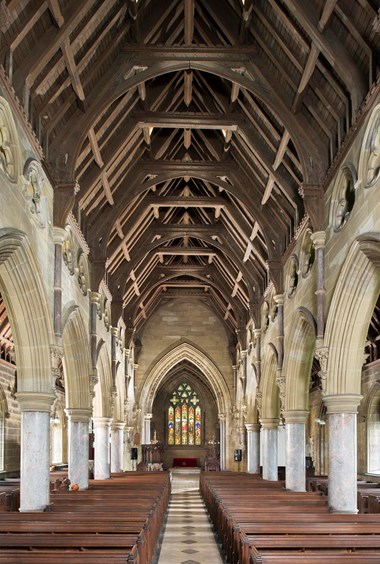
(307, 254)
(292, 276)
(82, 272)
(9, 148)
(373, 164)
(265, 316)
(343, 196)
(68, 251)
(34, 190)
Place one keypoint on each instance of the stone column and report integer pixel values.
(78, 445)
(257, 334)
(269, 437)
(102, 448)
(342, 424)
(147, 422)
(253, 448)
(295, 450)
(94, 304)
(35, 450)
(128, 463)
(279, 300)
(117, 446)
(222, 422)
(59, 235)
(319, 241)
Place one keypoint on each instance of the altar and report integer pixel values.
(185, 462)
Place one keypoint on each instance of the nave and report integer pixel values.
(188, 537)
(185, 516)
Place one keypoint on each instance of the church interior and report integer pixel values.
(190, 265)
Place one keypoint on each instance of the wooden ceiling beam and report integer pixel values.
(27, 27)
(95, 148)
(49, 45)
(327, 11)
(55, 10)
(331, 48)
(189, 21)
(188, 120)
(306, 76)
(72, 70)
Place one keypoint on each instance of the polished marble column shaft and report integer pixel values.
(78, 446)
(342, 433)
(253, 448)
(269, 437)
(117, 447)
(295, 450)
(35, 450)
(102, 448)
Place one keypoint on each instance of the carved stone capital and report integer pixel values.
(59, 235)
(35, 401)
(252, 427)
(269, 423)
(319, 239)
(79, 414)
(295, 416)
(342, 403)
(95, 298)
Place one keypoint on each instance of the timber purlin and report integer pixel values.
(115, 521)
(269, 525)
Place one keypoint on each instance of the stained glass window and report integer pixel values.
(184, 417)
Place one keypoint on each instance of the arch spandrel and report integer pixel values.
(27, 307)
(192, 354)
(350, 312)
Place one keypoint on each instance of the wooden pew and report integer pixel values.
(115, 521)
(283, 526)
(312, 557)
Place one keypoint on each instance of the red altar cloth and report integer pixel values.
(185, 462)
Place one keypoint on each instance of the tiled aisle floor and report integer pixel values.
(188, 537)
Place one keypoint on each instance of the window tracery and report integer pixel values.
(184, 417)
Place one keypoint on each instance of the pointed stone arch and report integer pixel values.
(76, 360)
(185, 351)
(103, 389)
(269, 391)
(298, 361)
(352, 305)
(29, 315)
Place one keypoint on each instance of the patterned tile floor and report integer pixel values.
(188, 537)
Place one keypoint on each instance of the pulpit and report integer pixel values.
(152, 457)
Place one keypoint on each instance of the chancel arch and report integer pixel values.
(185, 362)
